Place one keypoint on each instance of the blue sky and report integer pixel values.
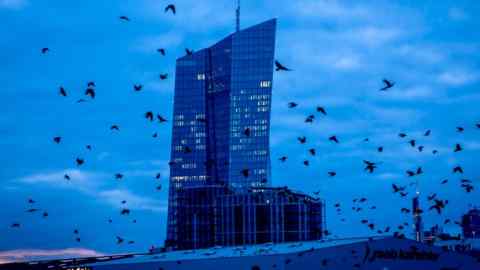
(339, 50)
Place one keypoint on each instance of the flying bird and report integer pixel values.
(115, 127)
(163, 76)
(57, 139)
(292, 105)
(89, 147)
(457, 169)
(66, 177)
(124, 18)
(309, 119)
(321, 110)
(388, 84)
(158, 176)
(45, 50)
(137, 87)
(161, 119)
(427, 133)
(280, 67)
(161, 51)
(118, 176)
(283, 159)
(62, 91)
(332, 174)
(460, 129)
(125, 211)
(245, 172)
(402, 135)
(458, 148)
(312, 151)
(302, 140)
(172, 8)
(333, 139)
(397, 188)
(79, 161)
(91, 84)
(306, 163)
(149, 115)
(15, 225)
(119, 240)
(188, 52)
(90, 92)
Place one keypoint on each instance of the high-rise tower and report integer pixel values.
(221, 120)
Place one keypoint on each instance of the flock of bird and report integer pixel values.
(359, 204)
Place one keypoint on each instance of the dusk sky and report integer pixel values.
(340, 51)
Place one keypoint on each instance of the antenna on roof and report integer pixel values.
(238, 15)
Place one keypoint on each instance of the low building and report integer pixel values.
(218, 216)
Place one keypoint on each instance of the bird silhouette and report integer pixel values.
(292, 105)
(57, 139)
(89, 147)
(149, 115)
(439, 205)
(420, 148)
(161, 119)
(306, 163)
(380, 149)
(45, 214)
(245, 173)
(302, 139)
(159, 187)
(444, 181)
(246, 131)
(155, 135)
(161, 51)
(280, 67)
(66, 177)
(333, 139)
(30, 201)
(427, 133)
(15, 225)
(158, 176)
(458, 169)
(460, 129)
(90, 92)
(332, 174)
(321, 110)
(388, 84)
(124, 18)
(172, 8)
(283, 159)
(125, 211)
(114, 127)
(91, 84)
(163, 76)
(312, 151)
(81, 100)
(188, 52)
(412, 143)
(370, 166)
(402, 135)
(309, 119)
(397, 188)
(62, 91)
(458, 148)
(118, 176)
(119, 240)
(79, 161)
(137, 87)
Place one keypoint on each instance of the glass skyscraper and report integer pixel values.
(221, 126)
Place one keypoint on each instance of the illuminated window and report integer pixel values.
(265, 84)
(200, 76)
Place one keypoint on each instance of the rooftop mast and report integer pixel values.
(238, 15)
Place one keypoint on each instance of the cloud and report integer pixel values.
(13, 4)
(134, 201)
(82, 180)
(329, 9)
(457, 78)
(18, 255)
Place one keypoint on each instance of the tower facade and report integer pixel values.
(221, 120)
